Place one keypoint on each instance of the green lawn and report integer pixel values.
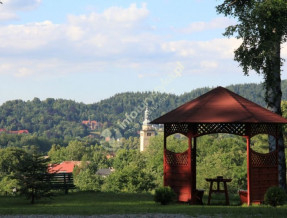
(87, 203)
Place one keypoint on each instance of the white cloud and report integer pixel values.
(217, 23)
(22, 38)
(121, 15)
(217, 48)
(24, 72)
(117, 38)
(21, 5)
(10, 8)
(86, 43)
(74, 33)
(204, 57)
(5, 15)
(109, 32)
(209, 64)
(181, 48)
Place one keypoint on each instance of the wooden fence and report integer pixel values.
(63, 181)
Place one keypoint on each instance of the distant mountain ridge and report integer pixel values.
(62, 118)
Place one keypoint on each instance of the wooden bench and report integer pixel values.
(63, 181)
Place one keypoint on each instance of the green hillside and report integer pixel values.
(59, 118)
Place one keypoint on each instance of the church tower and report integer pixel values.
(146, 132)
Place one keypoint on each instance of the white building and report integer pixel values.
(146, 132)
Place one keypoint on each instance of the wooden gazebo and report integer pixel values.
(220, 111)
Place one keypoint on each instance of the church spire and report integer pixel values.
(146, 113)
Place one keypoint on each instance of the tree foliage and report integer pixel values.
(87, 180)
(77, 151)
(10, 159)
(33, 178)
(131, 173)
(261, 23)
(262, 26)
(59, 118)
(132, 178)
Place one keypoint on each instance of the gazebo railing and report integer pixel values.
(176, 159)
(242, 129)
(177, 174)
(263, 174)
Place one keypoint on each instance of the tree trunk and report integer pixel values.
(32, 199)
(273, 97)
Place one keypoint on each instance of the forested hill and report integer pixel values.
(62, 118)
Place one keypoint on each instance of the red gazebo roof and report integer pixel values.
(220, 105)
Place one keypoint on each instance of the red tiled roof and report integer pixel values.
(89, 121)
(15, 132)
(220, 105)
(18, 131)
(64, 167)
(23, 131)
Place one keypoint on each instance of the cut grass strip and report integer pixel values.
(89, 203)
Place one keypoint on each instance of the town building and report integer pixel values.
(69, 166)
(92, 124)
(146, 132)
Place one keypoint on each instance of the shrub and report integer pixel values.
(164, 195)
(274, 196)
(86, 180)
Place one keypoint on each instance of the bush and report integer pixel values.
(86, 180)
(164, 195)
(274, 196)
(132, 178)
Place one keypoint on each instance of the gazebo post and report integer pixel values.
(277, 151)
(194, 165)
(248, 169)
(164, 159)
(193, 172)
(190, 164)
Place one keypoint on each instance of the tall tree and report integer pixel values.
(10, 158)
(35, 181)
(262, 26)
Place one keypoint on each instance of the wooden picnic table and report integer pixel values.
(218, 180)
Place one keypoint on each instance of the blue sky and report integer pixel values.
(89, 50)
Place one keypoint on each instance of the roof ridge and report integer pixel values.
(201, 96)
(235, 96)
(204, 102)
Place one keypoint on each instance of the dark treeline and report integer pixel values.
(59, 118)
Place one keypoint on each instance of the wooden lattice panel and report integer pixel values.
(263, 160)
(170, 129)
(232, 128)
(176, 159)
(263, 128)
(263, 174)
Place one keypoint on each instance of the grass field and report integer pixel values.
(88, 203)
